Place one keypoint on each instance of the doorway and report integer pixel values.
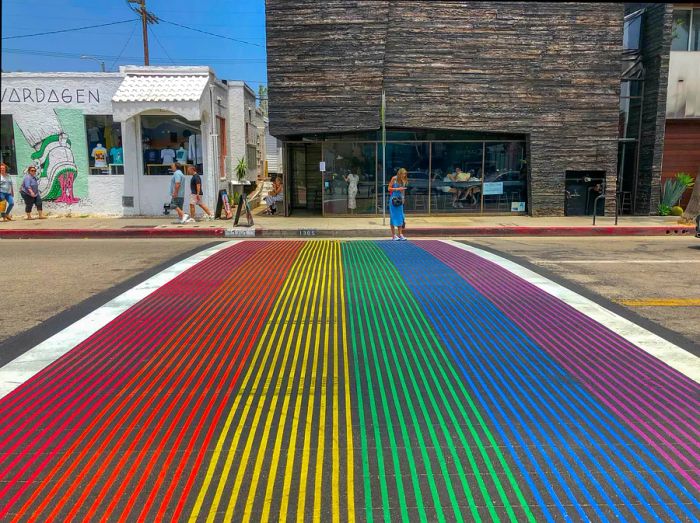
(304, 180)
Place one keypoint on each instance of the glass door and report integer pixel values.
(304, 177)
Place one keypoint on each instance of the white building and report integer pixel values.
(103, 142)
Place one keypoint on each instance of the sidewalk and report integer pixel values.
(365, 227)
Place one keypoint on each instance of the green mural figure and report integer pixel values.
(53, 156)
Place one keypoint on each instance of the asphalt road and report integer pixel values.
(50, 276)
(364, 380)
(43, 278)
(657, 278)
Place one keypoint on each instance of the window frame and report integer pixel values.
(691, 45)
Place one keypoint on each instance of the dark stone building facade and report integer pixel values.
(546, 75)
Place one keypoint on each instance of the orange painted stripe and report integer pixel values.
(205, 308)
(219, 307)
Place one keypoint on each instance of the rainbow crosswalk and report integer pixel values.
(352, 381)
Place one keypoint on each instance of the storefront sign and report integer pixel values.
(38, 95)
(493, 188)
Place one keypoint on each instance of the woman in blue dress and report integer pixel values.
(397, 189)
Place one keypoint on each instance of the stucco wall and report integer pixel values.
(48, 111)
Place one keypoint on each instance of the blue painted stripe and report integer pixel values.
(458, 295)
(577, 394)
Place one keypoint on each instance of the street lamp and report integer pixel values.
(102, 64)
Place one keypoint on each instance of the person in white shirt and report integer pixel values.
(167, 156)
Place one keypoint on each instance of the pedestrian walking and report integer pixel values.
(30, 193)
(196, 193)
(397, 190)
(7, 194)
(177, 192)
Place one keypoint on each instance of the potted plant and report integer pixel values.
(673, 192)
(241, 169)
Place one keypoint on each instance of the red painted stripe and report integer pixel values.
(88, 351)
(86, 379)
(235, 308)
(214, 304)
(115, 379)
(254, 325)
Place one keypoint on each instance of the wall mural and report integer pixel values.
(54, 141)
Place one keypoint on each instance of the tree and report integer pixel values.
(693, 208)
(262, 98)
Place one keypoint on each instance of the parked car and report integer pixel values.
(697, 226)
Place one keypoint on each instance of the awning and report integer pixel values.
(174, 89)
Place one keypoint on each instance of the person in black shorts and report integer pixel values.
(196, 193)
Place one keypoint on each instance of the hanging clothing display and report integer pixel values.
(167, 156)
(194, 148)
(99, 153)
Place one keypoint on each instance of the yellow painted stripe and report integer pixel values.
(335, 452)
(350, 452)
(277, 448)
(306, 446)
(661, 302)
(314, 291)
(242, 464)
(322, 412)
(289, 288)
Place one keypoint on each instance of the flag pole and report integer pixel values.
(383, 159)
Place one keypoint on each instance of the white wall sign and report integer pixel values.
(493, 188)
(322, 167)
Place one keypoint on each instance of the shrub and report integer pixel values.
(676, 210)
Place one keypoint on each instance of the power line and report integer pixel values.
(124, 48)
(67, 30)
(161, 45)
(208, 33)
(56, 54)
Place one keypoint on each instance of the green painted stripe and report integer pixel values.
(374, 258)
(433, 347)
(418, 315)
(382, 296)
(354, 308)
(387, 418)
(386, 341)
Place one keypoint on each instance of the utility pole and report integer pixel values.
(146, 18)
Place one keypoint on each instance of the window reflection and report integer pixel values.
(414, 158)
(505, 179)
(350, 179)
(456, 177)
(681, 29)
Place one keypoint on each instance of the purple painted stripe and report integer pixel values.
(582, 346)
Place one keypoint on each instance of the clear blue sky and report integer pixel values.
(238, 19)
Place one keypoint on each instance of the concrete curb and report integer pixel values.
(220, 232)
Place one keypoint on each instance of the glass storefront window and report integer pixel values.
(350, 179)
(445, 175)
(7, 144)
(505, 177)
(414, 157)
(681, 29)
(695, 31)
(456, 177)
(166, 139)
(630, 117)
(103, 143)
(632, 32)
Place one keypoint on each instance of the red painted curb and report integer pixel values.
(220, 232)
(110, 233)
